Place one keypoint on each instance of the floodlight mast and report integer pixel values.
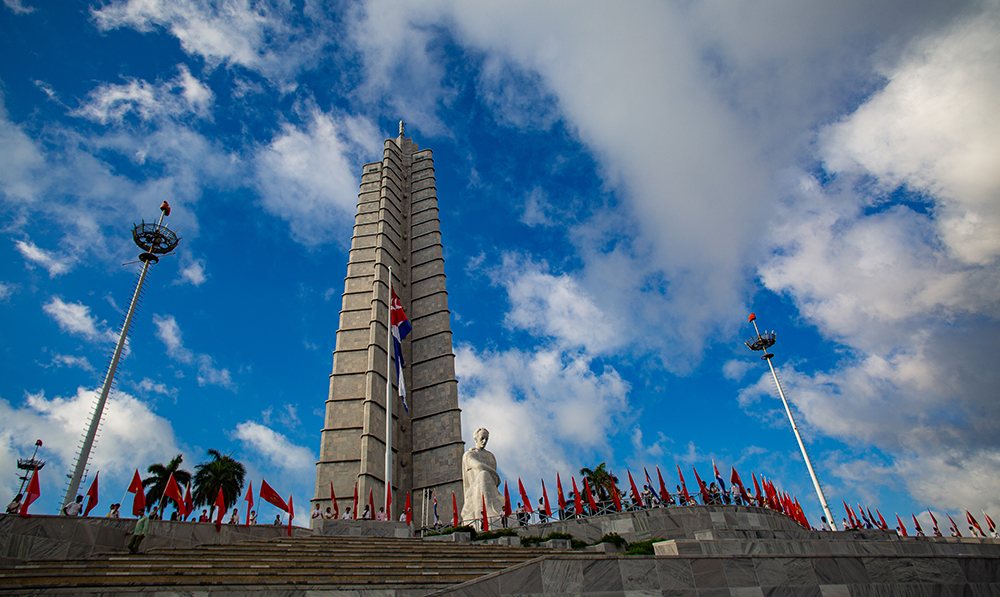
(153, 239)
(761, 343)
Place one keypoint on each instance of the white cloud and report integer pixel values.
(735, 369)
(75, 318)
(255, 35)
(132, 436)
(934, 128)
(181, 95)
(275, 448)
(556, 306)
(55, 265)
(6, 290)
(307, 175)
(147, 385)
(18, 7)
(67, 360)
(537, 208)
(546, 411)
(169, 332)
(194, 273)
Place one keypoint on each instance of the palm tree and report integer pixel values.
(223, 471)
(601, 479)
(157, 483)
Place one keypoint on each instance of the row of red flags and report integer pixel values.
(856, 523)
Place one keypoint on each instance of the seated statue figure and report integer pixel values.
(480, 478)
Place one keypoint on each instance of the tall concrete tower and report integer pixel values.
(396, 225)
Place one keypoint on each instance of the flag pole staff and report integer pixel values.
(763, 342)
(388, 399)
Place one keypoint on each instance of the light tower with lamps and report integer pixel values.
(154, 240)
(761, 343)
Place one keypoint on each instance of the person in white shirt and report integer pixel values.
(317, 515)
(347, 514)
(381, 515)
(75, 508)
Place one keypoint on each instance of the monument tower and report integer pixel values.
(396, 225)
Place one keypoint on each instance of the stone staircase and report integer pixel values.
(393, 567)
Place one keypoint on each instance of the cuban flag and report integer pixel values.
(718, 477)
(436, 519)
(649, 483)
(400, 327)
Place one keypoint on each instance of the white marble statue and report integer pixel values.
(480, 478)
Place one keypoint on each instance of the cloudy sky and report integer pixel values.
(620, 185)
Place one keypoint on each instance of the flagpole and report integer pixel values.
(763, 343)
(388, 400)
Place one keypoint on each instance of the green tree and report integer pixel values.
(601, 479)
(224, 472)
(156, 484)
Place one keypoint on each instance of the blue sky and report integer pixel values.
(620, 185)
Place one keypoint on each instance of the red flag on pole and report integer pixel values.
(615, 497)
(34, 490)
(291, 514)
(506, 499)
(454, 511)
(972, 520)
(559, 495)
(735, 480)
(701, 484)
(220, 503)
(371, 502)
(932, 518)
(355, 511)
(524, 497)
(388, 503)
(902, 527)
(545, 498)
(916, 524)
(990, 523)
(188, 502)
(590, 497)
(664, 494)
(271, 496)
(249, 500)
(885, 527)
(409, 512)
(684, 487)
(576, 497)
(139, 501)
(636, 498)
(756, 487)
(954, 526)
(92, 495)
(173, 491)
(336, 509)
(486, 520)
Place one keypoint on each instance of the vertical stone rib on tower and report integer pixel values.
(396, 225)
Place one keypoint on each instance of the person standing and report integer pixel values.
(75, 508)
(381, 515)
(139, 533)
(542, 517)
(253, 517)
(347, 514)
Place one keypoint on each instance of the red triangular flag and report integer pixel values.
(989, 522)
(684, 487)
(409, 512)
(545, 497)
(636, 497)
(371, 502)
(506, 500)
(291, 514)
(173, 491)
(34, 490)
(559, 495)
(92, 495)
(953, 525)
(333, 498)
(271, 496)
(524, 497)
(701, 485)
(664, 494)
(916, 524)
(486, 520)
(248, 498)
(576, 497)
(972, 520)
(615, 497)
(454, 511)
(590, 497)
(139, 501)
(902, 527)
(759, 499)
(220, 503)
(188, 502)
(354, 514)
(388, 503)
